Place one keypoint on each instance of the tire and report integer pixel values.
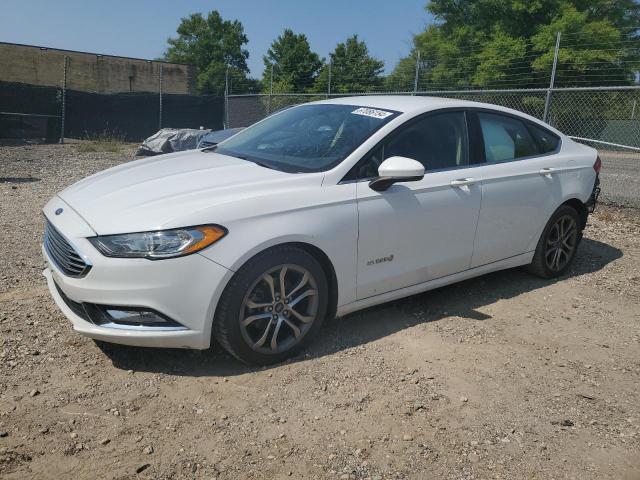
(251, 310)
(546, 262)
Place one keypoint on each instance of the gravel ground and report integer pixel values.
(504, 376)
(620, 178)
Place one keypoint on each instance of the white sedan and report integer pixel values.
(320, 210)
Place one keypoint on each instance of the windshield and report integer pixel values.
(308, 138)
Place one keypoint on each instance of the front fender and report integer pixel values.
(332, 227)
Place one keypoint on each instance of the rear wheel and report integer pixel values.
(272, 306)
(558, 243)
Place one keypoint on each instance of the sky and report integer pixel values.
(140, 28)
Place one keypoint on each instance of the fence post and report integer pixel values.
(270, 90)
(415, 80)
(226, 98)
(547, 103)
(160, 74)
(329, 81)
(64, 97)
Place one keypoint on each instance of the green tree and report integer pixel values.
(212, 45)
(510, 44)
(294, 65)
(598, 53)
(352, 69)
(240, 83)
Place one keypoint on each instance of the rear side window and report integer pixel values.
(547, 141)
(506, 138)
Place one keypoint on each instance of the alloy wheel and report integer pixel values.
(561, 243)
(279, 309)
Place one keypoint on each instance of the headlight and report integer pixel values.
(159, 244)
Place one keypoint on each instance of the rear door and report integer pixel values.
(521, 184)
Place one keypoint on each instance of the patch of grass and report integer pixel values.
(105, 141)
(99, 146)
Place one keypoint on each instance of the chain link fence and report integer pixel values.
(587, 90)
(605, 116)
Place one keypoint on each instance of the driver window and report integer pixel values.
(438, 141)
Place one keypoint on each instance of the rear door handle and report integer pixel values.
(546, 171)
(462, 182)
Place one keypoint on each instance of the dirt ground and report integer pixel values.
(504, 376)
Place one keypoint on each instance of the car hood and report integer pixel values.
(169, 190)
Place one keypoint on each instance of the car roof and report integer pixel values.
(399, 103)
(414, 104)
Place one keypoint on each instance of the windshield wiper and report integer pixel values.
(257, 162)
(241, 157)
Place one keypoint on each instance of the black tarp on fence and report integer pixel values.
(136, 116)
(192, 111)
(130, 116)
(30, 111)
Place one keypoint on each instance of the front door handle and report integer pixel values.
(546, 171)
(462, 182)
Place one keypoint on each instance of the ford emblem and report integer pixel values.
(58, 211)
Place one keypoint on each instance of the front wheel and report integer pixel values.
(272, 306)
(558, 243)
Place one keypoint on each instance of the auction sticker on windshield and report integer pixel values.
(372, 112)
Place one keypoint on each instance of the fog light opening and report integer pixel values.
(129, 317)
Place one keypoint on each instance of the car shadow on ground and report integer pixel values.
(18, 179)
(458, 300)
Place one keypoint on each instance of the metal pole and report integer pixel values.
(270, 90)
(415, 80)
(633, 111)
(160, 74)
(547, 103)
(226, 98)
(329, 82)
(64, 98)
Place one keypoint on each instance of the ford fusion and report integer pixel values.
(319, 210)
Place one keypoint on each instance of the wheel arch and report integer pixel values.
(579, 207)
(573, 202)
(329, 271)
(313, 250)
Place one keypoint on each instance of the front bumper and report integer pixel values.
(184, 289)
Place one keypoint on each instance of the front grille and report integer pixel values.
(63, 254)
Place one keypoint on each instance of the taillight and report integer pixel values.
(598, 165)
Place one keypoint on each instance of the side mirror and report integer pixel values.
(397, 169)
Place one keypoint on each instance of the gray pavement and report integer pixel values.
(620, 178)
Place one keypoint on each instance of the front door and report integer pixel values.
(418, 231)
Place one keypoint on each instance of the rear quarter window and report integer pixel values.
(547, 141)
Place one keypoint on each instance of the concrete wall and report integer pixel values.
(92, 72)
